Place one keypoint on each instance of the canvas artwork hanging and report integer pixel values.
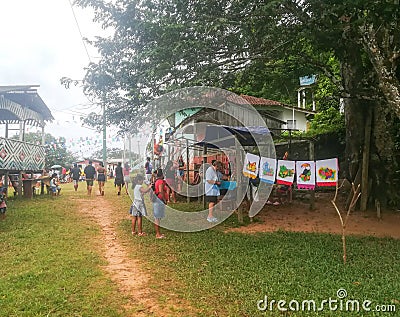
(305, 174)
(285, 172)
(267, 171)
(250, 167)
(327, 172)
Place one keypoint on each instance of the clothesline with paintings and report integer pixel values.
(306, 174)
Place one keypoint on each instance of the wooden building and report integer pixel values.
(20, 107)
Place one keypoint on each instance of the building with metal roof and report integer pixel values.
(20, 107)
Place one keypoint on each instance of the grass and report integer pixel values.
(226, 274)
(45, 271)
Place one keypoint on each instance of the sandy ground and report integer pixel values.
(296, 216)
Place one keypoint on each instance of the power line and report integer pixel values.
(79, 29)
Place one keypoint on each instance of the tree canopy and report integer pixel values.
(159, 46)
(260, 48)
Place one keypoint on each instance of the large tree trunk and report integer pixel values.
(380, 158)
(373, 158)
(384, 59)
(354, 115)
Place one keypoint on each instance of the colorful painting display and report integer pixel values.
(250, 167)
(267, 172)
(285, 172)
(305, 174)
(308, 173)
(327, 172)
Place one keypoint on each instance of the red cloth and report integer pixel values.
(157, 186)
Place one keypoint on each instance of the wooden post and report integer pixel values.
(6, 178)
(187, 172)
(238, 180)
(311, 157)
(365, 161)
(204, 173)
(43, 135)
(20, 184)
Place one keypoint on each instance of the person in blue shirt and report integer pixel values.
(211, 189)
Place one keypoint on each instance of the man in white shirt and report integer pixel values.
(211, 189)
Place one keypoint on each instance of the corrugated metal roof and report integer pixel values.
(260, 101)
(255, 101)
(28, 97)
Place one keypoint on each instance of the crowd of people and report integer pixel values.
(161, 184)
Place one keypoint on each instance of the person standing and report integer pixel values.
(63, 175)
(75, 174)
(101, 177)
(161, 191)
(211, 189)
(181, 172)
(148, 170)
(90, 173)
(170, 173)
(119, 178)
(138, 207)
(127, 178)
(3, 205)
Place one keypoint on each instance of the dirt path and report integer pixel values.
(125, 271)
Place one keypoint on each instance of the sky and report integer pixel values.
(41, 43)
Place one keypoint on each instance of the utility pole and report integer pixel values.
(104, 137)
(130, 150)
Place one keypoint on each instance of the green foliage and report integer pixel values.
(116, 153)
(327, 121)
(245, 46)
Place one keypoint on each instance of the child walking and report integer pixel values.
(138, 208)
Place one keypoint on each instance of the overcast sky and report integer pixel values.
(40, 44)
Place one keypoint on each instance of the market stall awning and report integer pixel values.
(218, 136)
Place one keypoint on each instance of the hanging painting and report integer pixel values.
(250, 167)
(285, 172)
(305, 174)
(267, 171)
(327, 172)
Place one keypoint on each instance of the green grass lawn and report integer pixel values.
(49, 264)
(45, 271)
(226, 274)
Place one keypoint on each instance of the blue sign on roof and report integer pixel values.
(308, 80)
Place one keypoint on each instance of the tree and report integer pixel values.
(116, 153)
(55, 149)
(159, 46)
